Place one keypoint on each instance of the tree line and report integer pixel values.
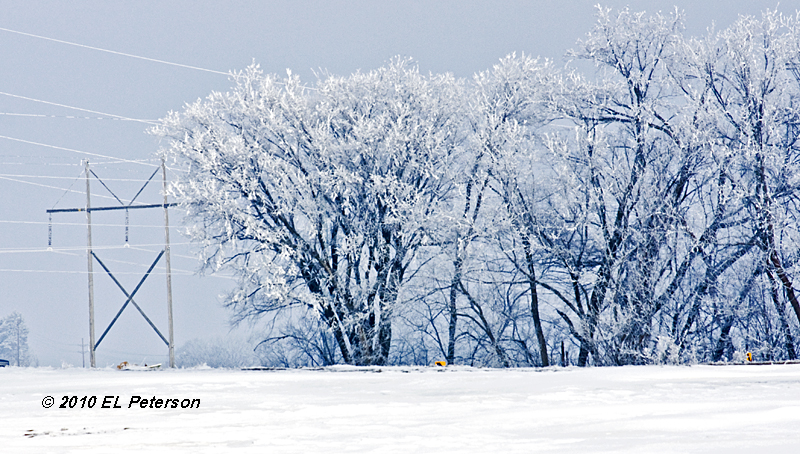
(640, 211)
(14, 341)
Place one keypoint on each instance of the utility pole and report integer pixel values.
(89, 267)
(167, 263)
(18, 323)
(83, 355)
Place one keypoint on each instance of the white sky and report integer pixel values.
(49, 288)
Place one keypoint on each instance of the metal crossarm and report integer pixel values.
(125, 207)
(130, 298)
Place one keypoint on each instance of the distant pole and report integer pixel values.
(18, 364)
(83, 354)
(89, 267)
(167, 262)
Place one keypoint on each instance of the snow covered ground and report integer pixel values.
(725, 409)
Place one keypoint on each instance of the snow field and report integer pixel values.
(725, 409)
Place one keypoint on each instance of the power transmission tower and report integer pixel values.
(91, 257)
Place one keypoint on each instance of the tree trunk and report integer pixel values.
(787, 332)
(583, 356)
(724, 341)
(451, 327)
(537, 322)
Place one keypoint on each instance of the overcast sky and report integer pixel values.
(42, 145)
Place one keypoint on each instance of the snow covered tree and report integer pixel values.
(231, 352)
(634, 223)
(753, 94)
(471, 305)
(512, 102)
(319, 199)
(644, 213)
(14, 340)
(684, 160)
(623, 173)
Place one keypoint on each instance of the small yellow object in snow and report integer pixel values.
(749, 356)
(122, 365)
(441, 363)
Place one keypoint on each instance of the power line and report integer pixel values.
(115, 52)
(190, 257)
(9, 270)
(62, 164)
(41, 338)
(48, 177)
(176, 271)
(72, 162)
(182, 272)
(28, 155)
(64, 194)
(78, 108)
(78, 248)
(175, 169)
(71, 117)
(66, 251)
(51, 187)
(77, 151)
(80, 224)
